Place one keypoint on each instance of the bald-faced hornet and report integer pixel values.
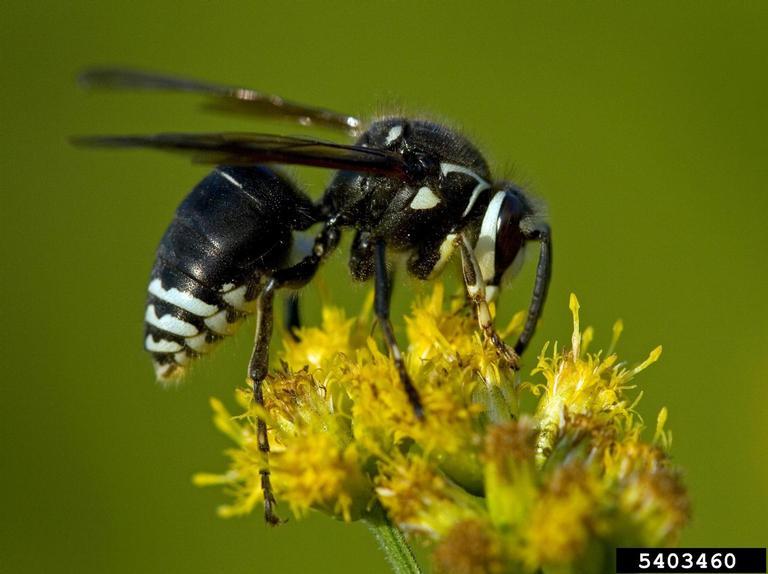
(406, 185)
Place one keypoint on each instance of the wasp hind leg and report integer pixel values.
(257, 371)
(293, 277)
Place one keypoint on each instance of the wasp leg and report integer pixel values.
(430, 258)
(361, 256)
(473, 280)
(381, 305)
(257, 371)
(542, 234)
(294, 277)
(299, 274)
(292, 315)
(302, 272)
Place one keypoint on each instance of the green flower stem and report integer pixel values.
(392, 542)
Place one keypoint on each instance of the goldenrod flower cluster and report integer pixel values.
(487, 487)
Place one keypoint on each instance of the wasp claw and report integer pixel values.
(270, 517)
(506, 352)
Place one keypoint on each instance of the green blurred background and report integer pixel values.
(643, 127)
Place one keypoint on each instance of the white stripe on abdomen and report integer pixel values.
(181, 299)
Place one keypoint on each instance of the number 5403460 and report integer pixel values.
(687, 560)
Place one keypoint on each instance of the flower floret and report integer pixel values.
(490, 488)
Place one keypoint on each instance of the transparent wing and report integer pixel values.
(255, 148)
(222, 97)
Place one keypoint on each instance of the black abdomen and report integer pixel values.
(230, 233)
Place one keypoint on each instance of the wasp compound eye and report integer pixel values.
(500, 243)
(509, 237)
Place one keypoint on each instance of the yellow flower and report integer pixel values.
(421, 499)
(585, 384)
(471, 547)
(563, 520)
(511, 482)
(490, 488)
(316, 346)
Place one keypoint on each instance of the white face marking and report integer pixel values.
(169, 323)
(394, 134)
(227, 287)
(447, 248)
(219, 325)
(485, 250)
(492, 291)
(424, 199)
(482, 185)
(230, 179)
(161, 346)
(181, 299)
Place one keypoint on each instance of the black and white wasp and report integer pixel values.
(405, 186)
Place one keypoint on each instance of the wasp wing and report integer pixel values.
(254, 148)
(222, 97)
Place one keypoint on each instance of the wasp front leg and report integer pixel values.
(538, 232)
(475, 284)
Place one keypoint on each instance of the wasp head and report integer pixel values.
(500, 244)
